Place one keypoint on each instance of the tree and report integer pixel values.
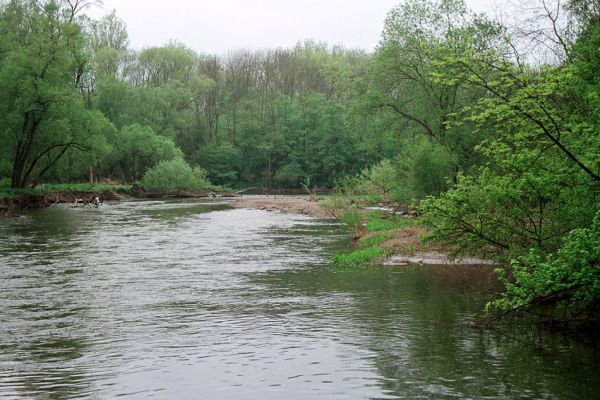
(109, 40)
(416, 35)
(138, 148)
(40, 69)
(541, 177)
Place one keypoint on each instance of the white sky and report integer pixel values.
(217, 26)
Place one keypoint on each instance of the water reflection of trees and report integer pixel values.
(44, 335)
(416, 321)
(41, 231)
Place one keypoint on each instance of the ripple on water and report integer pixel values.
(193, 299)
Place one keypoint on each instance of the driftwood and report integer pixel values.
(95, 202)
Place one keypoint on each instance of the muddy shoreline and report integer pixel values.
(407, 246)
(10, 206)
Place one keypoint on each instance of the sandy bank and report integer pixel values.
(406, 244)
(285, 204)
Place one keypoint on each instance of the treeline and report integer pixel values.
(76, 100)
(492, 131)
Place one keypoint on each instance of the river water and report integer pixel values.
(198, 300)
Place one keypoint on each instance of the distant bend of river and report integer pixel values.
(195, 299)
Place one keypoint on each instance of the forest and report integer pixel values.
(490, 130)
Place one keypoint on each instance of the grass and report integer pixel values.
(375, 228)
(338, 201)
(380, 221)
(376, 239)
(62, 187)
(361, 257)
(368, 252)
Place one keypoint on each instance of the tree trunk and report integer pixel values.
(91, 176)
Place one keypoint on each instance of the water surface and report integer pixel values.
(191, 299)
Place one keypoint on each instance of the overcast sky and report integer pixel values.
(217, 26)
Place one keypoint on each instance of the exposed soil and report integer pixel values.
(288, 205)
(408, 248)
(11, 205)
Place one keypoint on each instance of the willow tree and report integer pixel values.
(40, 70)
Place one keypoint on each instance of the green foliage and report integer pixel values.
(42, 67)
(423, 169)
(540, 179)
(63, 187)
(539, 182)
(289, 175)
(361, 257)
(570, 278)
(138, 148)
(379, 179)
(379, 221)
(508, 214)
(222, 163)
(175, 176)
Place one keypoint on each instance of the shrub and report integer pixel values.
(175, 176)
(379, 179)
(222, 162)
(422, 169)
(289, 175)
(570, 278)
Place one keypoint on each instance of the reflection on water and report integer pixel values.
(191, 299)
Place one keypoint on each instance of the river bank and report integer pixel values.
(13, 204)
(389, 243)
(81, 195)
(287, 205)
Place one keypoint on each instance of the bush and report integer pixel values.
(570, 278)
(373, 184)
(379, 179)
(175, 176)
(507, 215)
(222, 162)
(422, 169)
(139, 148)
(289, 175)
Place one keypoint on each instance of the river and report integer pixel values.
(198, 300)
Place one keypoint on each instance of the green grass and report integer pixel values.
(377, 239)
(367, 253)
(369, 250)
(361, 257)
(380, 221)
(380, 226)
(62, 187)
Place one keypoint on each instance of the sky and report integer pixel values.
(219, 26)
